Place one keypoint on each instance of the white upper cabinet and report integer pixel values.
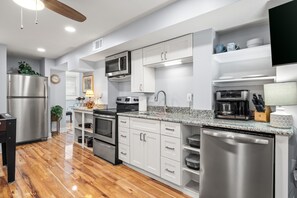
(153, 54)
(178, 48)
(142, 78)
(174, 49)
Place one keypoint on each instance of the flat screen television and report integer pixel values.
(283, 33)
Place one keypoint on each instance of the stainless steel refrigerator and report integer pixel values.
(27, 100)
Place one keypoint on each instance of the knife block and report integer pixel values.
(263, 116)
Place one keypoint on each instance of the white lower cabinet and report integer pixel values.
(136, 148)
(170, 148)
(124, 136)
(170, 170)
(152, 153)
(124, 153)
(145, 151)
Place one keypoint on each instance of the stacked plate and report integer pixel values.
(254, 42)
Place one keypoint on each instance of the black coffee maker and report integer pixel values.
(232, 104)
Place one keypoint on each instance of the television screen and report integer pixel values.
(283, 33)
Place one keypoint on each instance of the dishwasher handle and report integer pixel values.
(227, 135)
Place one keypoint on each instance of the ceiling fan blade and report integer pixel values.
(64, 10)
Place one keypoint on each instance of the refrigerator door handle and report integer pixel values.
(227, 135)
(45, 88)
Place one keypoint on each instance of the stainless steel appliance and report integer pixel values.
(105, 128)
(118, 65)
(236, 164)
(232, 104)
(27, 100)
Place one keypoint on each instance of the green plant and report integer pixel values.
(56, 112)
(25, 68)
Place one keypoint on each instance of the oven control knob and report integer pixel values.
(127, 99)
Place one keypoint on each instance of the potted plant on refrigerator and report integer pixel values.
(56, 116)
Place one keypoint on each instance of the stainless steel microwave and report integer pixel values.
(118, 64)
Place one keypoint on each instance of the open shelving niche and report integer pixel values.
(246, 61)
(81, 117)
(190, 177)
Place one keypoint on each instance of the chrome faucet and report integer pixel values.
(165, 103)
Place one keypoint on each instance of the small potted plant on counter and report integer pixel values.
(56, 116)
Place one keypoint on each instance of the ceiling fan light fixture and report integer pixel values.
(30, 4)
(70, 29)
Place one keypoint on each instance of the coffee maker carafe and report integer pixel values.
(232, 104)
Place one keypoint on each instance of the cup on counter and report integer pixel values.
(220, 48)
(232, 47)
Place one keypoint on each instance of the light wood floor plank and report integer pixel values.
(59, 168)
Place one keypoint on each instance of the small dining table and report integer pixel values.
(8, 142)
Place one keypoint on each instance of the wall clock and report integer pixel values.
(55, 79)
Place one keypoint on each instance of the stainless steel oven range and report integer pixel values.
(105, 128)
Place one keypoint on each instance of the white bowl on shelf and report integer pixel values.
(254, 42)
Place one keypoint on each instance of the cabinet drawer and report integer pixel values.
(170, 147)
(124, 122)
(124, 136)
(171, 129)
(145, 125)
(170, 171)
(124, 153)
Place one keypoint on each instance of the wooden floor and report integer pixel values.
(58, 168)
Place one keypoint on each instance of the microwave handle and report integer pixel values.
(119, 63)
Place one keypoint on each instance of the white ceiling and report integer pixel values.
(103, 17)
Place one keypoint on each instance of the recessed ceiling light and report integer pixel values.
(70, 29)
(41, 49)
(30, 4)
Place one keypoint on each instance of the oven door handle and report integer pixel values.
(104, 116)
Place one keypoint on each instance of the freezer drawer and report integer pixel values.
(236, 165)
(32, 118)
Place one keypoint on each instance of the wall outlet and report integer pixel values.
(189, 97)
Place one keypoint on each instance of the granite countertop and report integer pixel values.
(188, 119)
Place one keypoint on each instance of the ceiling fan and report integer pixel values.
(53, 5)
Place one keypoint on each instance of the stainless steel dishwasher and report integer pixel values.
(236, 164)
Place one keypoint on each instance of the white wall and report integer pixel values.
(58, 95)
(13, 65)
(100, 82)
(288, 73)
(3, 77)
(176, 81)
(203, 70)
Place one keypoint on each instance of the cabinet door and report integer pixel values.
(153, 54)
(136, 148)
(152, 153)
(137, 71)
(178, 48)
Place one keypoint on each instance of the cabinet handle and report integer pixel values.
(165, 55)
(141, 136)
(169, 129)
(170, 171)
(169, 148)
(123, 153)
(124, 136)
(124, 122)
(162, 55)
(144, 137)
(140, 87)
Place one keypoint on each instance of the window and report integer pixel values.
(72, 85)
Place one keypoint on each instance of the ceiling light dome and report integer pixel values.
(30, 4)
